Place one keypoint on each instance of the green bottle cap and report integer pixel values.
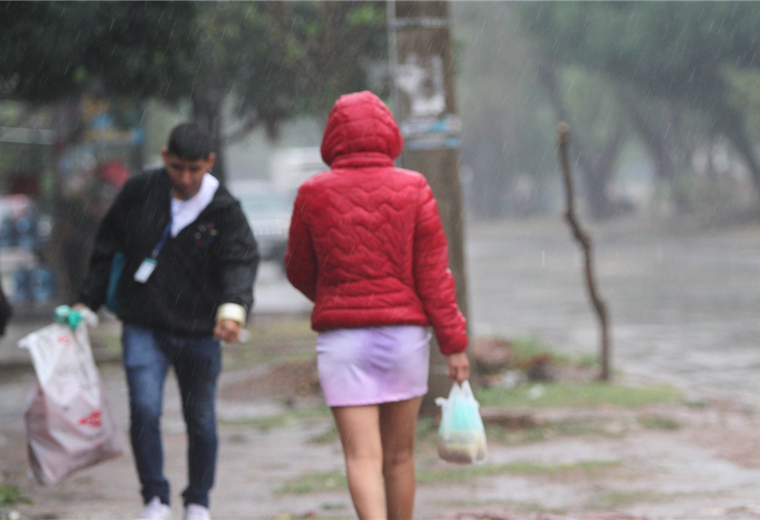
(61, 314)
(75, 318)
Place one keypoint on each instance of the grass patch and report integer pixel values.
(658, 422)
(273, 341)
(106, 341)
(314, 483)
(587, 360)
(426, 426)
(333, 507)
(628, 498)
(516, 505)
(574, 427)
(331, 480)
(281, 331)
(10, 494)
(527, 348)
(454, 475)
(270, 422)
(587, 395)
(329, 436)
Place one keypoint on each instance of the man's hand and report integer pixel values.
(459, 367)
(227, 331)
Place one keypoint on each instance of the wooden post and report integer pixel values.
(425, 107)
(584, 240)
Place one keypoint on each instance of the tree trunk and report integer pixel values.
(597, 175)
(651, 135)
(658, 142)
(585, 242)
(422, 40)
(731, 124)
(207, 112)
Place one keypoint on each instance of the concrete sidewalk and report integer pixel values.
(277, 464)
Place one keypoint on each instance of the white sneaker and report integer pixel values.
(155, 510)
(196, 512)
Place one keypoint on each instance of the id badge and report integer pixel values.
(145, 270)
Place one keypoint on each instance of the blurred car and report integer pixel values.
(268, 211)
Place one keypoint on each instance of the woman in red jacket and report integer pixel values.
(367, 247)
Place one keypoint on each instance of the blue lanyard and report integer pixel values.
(167, 230)
(162, 240)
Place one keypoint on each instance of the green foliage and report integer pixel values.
(594, 117)
(54, 50)
(276, 59)
(280, 59)
(744, 93)
(669, 48)
(527, 348)
(10, 495)
(681, 67)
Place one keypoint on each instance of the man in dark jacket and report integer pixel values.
(189, 263)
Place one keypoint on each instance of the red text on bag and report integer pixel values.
(94, 419)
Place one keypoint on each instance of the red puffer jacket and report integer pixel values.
(366, 241)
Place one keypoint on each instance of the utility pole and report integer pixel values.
(425, 107)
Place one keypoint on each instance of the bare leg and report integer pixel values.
(360, 435)
(398, 423)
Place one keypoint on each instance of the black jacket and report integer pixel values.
(210, 262)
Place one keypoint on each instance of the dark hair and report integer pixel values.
(189, 141)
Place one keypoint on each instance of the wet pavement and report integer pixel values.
(683, 297)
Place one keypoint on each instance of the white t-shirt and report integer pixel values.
(184, 212)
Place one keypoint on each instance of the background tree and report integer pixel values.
(52, 51)
(684, 54)
(270, 61)
(601, 130)
(258, 63)
(507, 135)
(265, 61)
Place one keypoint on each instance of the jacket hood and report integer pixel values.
(361, 124)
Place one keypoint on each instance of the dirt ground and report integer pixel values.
(697, 459)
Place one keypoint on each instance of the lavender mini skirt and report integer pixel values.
(373, 365)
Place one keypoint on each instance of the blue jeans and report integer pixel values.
(197, 362)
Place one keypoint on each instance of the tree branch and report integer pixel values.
(246, 127)
(585, 242)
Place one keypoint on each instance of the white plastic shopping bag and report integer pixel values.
(461, 435)
(69, 424)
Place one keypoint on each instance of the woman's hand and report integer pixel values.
(459, 367)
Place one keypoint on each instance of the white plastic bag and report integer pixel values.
(461, 435)
(69, 424)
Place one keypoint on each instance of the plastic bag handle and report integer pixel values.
(467, 389)
(464, 390)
